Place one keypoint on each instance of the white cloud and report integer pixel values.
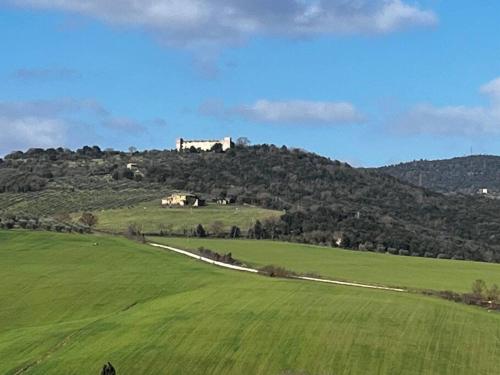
(199, 22)
(492, 89)
(288, 112)
(26, 132)
(396, 15)
(300, 111)
(455, 120)
(60, 122)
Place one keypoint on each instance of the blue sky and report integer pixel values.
(368, 82)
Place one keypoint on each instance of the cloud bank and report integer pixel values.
(54, 123)
(288, 112)
(27, 132)
(454, 120)
(198, 22)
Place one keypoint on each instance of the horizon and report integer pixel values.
(376, 84)
(173, 149)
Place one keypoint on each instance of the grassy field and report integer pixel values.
(151, 215)
(68, 303)
(349, 265)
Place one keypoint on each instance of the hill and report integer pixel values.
(326, 201)
(72, 302)
(353, 266)
(465, 175)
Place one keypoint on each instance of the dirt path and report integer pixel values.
(244, 269)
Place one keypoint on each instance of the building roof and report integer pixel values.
(182, 193)
(202, 140)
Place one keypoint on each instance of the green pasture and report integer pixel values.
(69, 303)
(384, 269)
(151, 217)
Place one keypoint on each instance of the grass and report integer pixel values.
(68, 303)
(151, 215)
(410, 272)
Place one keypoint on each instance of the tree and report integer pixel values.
(493, 293)
(257, 230)
(88, 219)
(132, 149)
(134, 230)
(235, 232)
(217, 148)
(271, 227)
(200, 231)
(479, 288)
(243, 141)
(128, 174)
(108, 369)
(217, 228)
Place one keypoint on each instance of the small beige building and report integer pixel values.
(182, 200)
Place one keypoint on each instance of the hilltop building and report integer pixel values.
(204, 145)
(183, 200)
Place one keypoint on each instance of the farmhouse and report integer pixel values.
(204, 145)
(183, 200)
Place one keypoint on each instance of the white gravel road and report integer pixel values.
(245, 269)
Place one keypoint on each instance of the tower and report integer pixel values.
(178, 144)
(226, 143)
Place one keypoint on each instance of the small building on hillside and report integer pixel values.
(483, 191)
(225, 201)
(182, 200)
(132, 166)
(203, 145)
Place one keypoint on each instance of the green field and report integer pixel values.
(151, 217)
(384, 269)
(68, 303)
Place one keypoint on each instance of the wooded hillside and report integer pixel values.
(464, 175)
(325, 200)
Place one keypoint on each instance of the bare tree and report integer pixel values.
(217, 228)
(243, 141)
(479, 288)
(88, 219)
(493, 293)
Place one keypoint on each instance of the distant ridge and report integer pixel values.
(465, 175)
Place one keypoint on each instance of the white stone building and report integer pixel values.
(204, 145)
